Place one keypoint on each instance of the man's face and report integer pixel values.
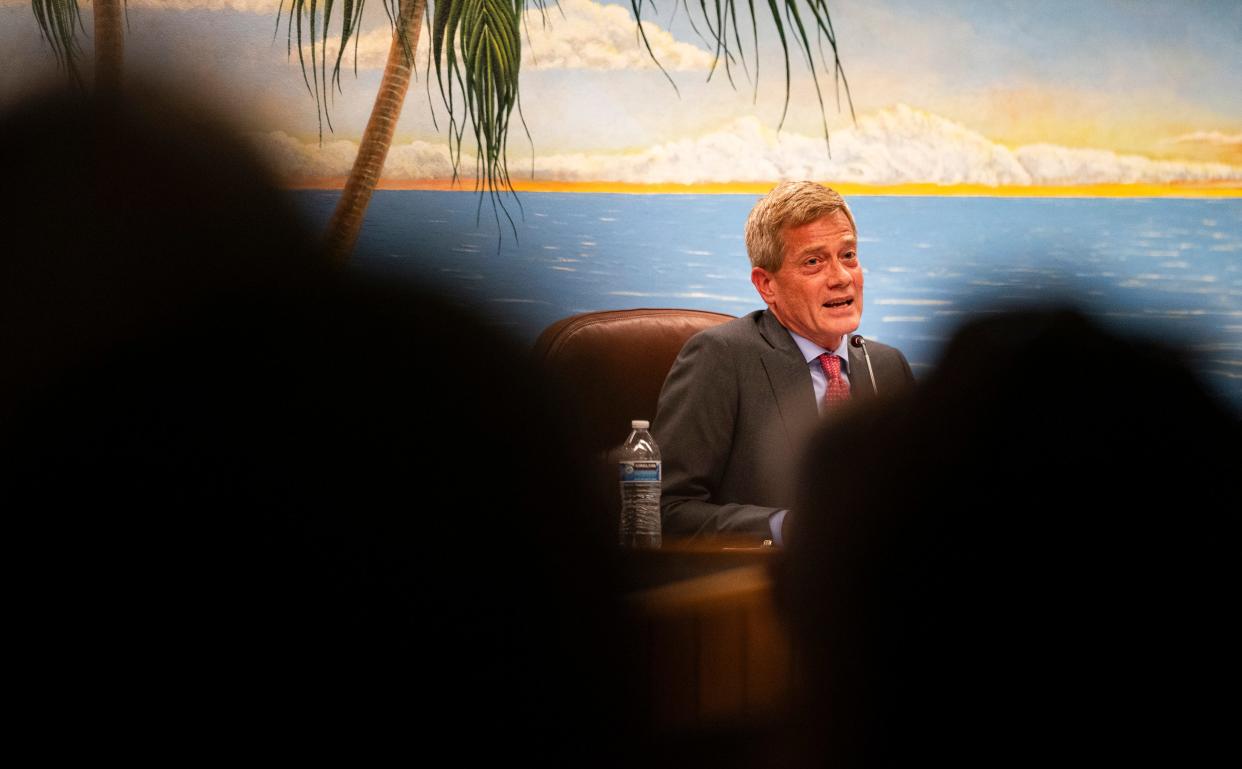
(818, 291)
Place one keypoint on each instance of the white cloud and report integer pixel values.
(372, 49)
(744, 148)
(421, 160)
(890, 147)
(1207, 137)
(901, 145)
(588, 36)
(293, 158)
(243, 6)
(894, 146)
(1050, 164)
(602, 37)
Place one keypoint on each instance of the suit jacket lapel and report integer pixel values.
(861, 385)
(789, 378)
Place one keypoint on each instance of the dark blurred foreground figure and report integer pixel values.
(258, 504)
(1035, 560)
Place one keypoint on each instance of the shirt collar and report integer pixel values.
(812, 351)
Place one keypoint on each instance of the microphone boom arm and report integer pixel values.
(858, 341)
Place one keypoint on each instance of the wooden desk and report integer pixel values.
(707, 646)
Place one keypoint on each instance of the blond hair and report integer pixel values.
(789, 204)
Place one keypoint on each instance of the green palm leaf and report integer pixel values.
(477, 50)
(309, 23)
(59, 21)
(722, 33)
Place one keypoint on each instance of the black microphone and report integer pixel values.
(861, 343)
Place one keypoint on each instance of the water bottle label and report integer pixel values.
(638, 472)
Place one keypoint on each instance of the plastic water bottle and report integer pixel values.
(641, 472)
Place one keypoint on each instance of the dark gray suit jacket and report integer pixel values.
(733, 415)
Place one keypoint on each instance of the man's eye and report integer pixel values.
(850, 255)
(814, 260)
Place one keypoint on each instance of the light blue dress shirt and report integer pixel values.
(819, 381)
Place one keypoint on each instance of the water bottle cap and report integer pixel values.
(640, 424)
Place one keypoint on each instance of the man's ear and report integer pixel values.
(763, 283)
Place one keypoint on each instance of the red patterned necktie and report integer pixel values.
(838, 389)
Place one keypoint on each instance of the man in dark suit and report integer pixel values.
(742, 396)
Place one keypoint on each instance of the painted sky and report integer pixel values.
(997, 93)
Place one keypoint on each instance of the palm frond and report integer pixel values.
(308, 24)
(637, 5)
(476, 49)
(796, 22)
(59, 22)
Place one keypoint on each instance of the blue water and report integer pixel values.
(1160, 267)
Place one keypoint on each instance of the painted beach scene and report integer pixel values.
(994, 155)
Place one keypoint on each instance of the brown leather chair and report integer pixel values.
(611, 365)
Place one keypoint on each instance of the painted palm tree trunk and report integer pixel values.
(351, 209)
(109, 44)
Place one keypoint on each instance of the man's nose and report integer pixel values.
(838, 275)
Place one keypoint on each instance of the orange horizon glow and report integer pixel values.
(1183, 190)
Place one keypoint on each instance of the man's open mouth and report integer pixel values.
(839, 303)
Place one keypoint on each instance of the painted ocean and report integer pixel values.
(1161, 267)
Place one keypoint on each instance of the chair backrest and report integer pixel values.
(612, 364)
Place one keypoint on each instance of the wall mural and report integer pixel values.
(993, 153)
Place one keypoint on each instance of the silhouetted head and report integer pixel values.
(126, 215)
(265, 502)
(1025, 557)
